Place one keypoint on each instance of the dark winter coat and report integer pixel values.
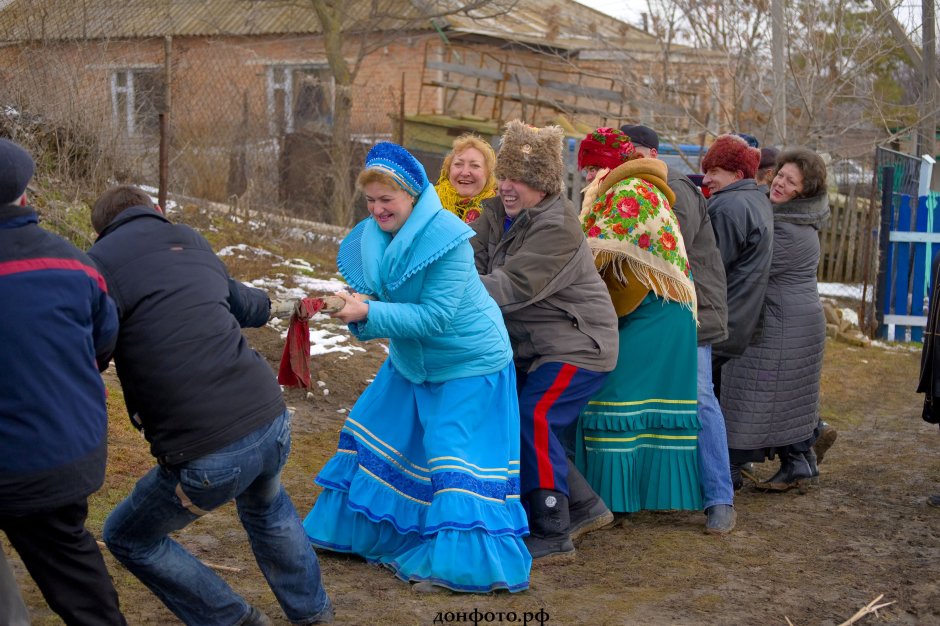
(770, 394)
(190, 380)
(708, 272)
(56, 320)
(929, 382)
(541, 274)
(744, 227)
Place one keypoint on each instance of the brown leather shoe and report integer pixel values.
(825, 439)
(256, 618)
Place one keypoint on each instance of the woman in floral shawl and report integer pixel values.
(637, 437)
(467, 177)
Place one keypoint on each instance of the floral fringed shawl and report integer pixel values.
(628, 220)
(467, 209)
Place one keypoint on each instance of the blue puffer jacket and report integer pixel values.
(430, 302)
(56, 319)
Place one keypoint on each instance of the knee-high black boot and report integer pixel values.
(586, 509)
(548, 526)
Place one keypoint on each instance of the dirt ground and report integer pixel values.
(812, 558)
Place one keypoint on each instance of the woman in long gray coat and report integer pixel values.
(770, 395)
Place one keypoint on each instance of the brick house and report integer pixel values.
(248, 77)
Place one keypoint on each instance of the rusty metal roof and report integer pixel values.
(561, 24)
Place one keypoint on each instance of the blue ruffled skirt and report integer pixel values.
(425, 480)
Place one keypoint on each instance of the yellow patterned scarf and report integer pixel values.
(467, 209)
(630, 223)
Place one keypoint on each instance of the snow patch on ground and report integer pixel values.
(245, 248)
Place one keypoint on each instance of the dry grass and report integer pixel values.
(812, 558)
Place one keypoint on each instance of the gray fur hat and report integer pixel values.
(532, 155)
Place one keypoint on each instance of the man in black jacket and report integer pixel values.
(743, 223)
(744, 228)
(212, 411)
(710, 293)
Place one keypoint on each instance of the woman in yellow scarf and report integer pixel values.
(467, 177)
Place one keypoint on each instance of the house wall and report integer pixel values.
(219, 97)
(224, 139)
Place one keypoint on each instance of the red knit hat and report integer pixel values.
(731, 153)
(605, 147)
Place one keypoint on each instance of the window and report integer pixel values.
(300, 98)
(137, 97)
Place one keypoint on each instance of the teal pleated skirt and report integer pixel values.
(425, 481)
(637, 442)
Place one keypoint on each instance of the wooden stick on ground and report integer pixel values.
(870, 608)
(215, 566)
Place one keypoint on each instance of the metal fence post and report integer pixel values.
(887, 207)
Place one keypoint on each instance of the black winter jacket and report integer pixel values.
(708, 272)
(744, 228)
(190, 380)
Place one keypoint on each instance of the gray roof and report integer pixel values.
(561, 24)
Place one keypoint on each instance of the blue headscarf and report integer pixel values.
(398, 163)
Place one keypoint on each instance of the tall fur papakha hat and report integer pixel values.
(731, 153)
(532, 155)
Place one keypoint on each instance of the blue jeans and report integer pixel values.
(713, 464)
(169, 498)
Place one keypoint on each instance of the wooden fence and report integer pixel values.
(847, 242)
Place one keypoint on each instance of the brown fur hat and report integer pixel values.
(731, 153)
(532, 155)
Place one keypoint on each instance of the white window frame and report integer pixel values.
(284, 88)
(128, 90)
(130, 103)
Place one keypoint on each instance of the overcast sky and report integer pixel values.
(908, 12)
(627, 10)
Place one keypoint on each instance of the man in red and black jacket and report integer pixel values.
(58, 327)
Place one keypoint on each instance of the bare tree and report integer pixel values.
(843, 68)
(352, 30)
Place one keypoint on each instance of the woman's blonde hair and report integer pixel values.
(373, 175)
(469, 140)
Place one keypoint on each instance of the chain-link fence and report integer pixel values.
(248, 119)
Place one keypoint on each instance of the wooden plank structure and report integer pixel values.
(497, 86)
(847, 240)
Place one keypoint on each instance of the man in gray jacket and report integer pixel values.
(708, 274)
(535, 262)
